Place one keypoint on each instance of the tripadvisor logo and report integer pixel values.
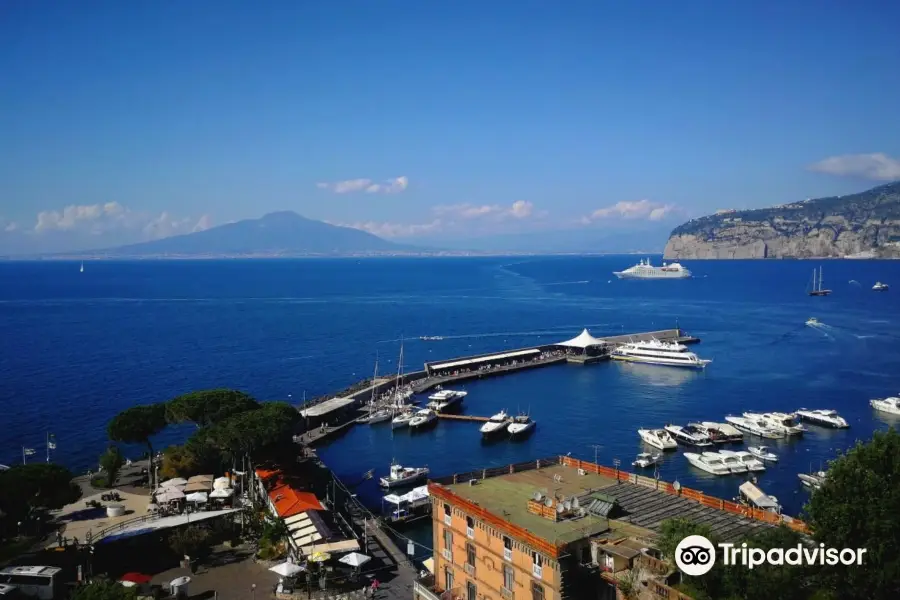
(695, 555)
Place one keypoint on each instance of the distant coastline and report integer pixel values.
(68, 257)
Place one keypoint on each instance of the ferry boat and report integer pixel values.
(724, 433)
(889, 405)
(880, 287)
(521, 426)
(755, 427)
(762, 453)
(823, 417)
(497, 424)
(400, 476)
(689, 436)
(745, 458)
(709, 464)
(658, 438)
(751, 495)
(655, 352)
(783, 422)
(731, 461)
(444, 400)
(644, 270)
(645, 459)
(423, 418)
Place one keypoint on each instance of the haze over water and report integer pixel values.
(79, 347)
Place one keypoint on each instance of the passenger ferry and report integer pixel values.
(644, 270)
(655, 352)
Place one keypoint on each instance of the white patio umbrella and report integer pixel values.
(197, 497)
(222, 483)
(287, 569)
(167, 495)
(355, 559)
(221, 493)
(174, 481)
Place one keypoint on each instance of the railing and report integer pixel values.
(660, 590)
(507, 553)
(537, 570)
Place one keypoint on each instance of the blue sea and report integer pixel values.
(79, 347)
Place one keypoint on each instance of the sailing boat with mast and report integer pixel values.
(376, 415)
(817, 289)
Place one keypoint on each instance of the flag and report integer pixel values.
(51, 442)
(28, 451)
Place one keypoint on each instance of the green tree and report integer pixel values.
(705, 587)
(785, 582)
(25, 489)
(104, 589)
(136, 425)
(112, 462)
(208, 407)
(259, 433)
(858, 506)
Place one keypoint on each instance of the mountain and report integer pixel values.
(275, 234)
(864, 225)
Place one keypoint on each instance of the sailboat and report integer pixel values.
(817, 289)
(81, 270)
(377, 415)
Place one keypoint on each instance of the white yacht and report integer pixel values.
(824, 417)
(689, 436)
(655, 352)
(403, 476)
(748, 460)
(379, 416)
(720, 433)
(812, 480)
(731, 461)
(645, 459)
(422, 419)
(755, 427)
(497, 424)
(644, 270)
(402, 419)
(763, 453)
(889, 405)
(785, 423)
(658, 438)
(880, 287)
(444, 400)
(520, 426)
(709, 464)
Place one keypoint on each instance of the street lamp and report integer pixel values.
(253, 590)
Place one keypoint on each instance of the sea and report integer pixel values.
(78, 347)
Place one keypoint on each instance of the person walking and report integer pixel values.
(374, 587)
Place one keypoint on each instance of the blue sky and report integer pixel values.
(466, 118)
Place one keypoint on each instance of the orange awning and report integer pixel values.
(289, 502)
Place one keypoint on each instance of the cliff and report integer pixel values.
(864, 225)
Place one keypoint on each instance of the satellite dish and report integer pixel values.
(548, 502)
(560, 509)
(537, 497)
(676, 485)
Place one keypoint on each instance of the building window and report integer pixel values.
(447, 514)
(470, 554)
(537, 592)
(509, 578)
(507, 549)
(470, 527)
(448, 545)
(448, 579)
(471, 591)
(537, 565)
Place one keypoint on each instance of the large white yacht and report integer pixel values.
(710, 464)
(444, 400)
(720, 433)
(402, 418)
(658, 438)
(785, 423)
(751, 462)
(497, 424)
(755, 427)
(644, 270)
(422, 419)
(689, 436)
(889, 405)
(731, 461)
(655, 352)
(824, 417)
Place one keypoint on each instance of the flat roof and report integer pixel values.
(326, 407)
(29, 570)
(480, 359)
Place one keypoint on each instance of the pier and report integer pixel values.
(463, 417)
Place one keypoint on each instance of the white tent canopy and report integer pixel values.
(583, 340)
(287, 569)
(197, 497)
(173, 482)
(169, 494)
(221, 493)
(418, 493)
(222, 483)
(355, 559)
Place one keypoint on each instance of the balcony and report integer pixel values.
(537, 570)
(506, 594)
(507, 554)
(448, 520)
(470, 532)
(447, 554)
(425, 589)
(469, 569)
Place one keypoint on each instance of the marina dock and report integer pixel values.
(463, 417)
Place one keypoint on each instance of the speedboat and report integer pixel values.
(444, 400)
(889, 405)
(762, 453)
(496, 424)
(729, 460)
(689, 436)
(645, 459)
(823, 417)
(658, 438)
(751, 495)
(880, 287)
(755, 427)
(431, 338)
(400, 476)
(710, 464)
(655, 352)
(812, 480)
(812, 321)
(520, 426)
(748, 460)
(723, 432)
(423, 419)
(402, 419)
(778, 421)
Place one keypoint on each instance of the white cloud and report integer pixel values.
(388, 186)
(112, 217)
(520, 209)
(637, 209)
(396, 230)
(876, 166)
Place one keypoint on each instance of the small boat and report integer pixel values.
(444, 400)
(497, 424)
(379, 416)
(689, 436)
(880, 287)
(783, 422)
(400, 476)
(723, 432)
(812, 321)
(812, 480)
(81, 269)
(748, 460)
(658, 438)
(709, 464)
(431, 338)
(645, 459)
(889, 405)
(823, 417)
(755, 427)
(520, 426)
(762, 453)
(402, 419)
(817, 289)
(751, 495)
(422, 419)
(729, 459)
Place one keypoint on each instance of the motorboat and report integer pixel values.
(444, 400)
(658, 438)
(824, 417)
(731, 461)
(400, 476)
(750, 495)
(880, 287)
(889, 405)
(423, 418)
(812, 480)
(755, 427)
(402, 419)
(655, 352)
(748, 460)
(723, 432)
(812, 321)
(431, 338)
(645, 459)
(783, 422)
(520, 426)
(710, 464)
(496, 424)
(763, 453)
(689, 436)
(644, 270)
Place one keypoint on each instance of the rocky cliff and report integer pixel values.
(864, 225)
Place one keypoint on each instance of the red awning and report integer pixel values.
(135, 578)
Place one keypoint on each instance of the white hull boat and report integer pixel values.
(445, 400)
(783, 422)
(731, 461)
(745, 458)
(422, 419)
(521, 426)
(402, 419)
(812, 480)
(645, 459)
(708, 464)
(644, 270)
(658, 438)
(754, 428)
(751, 495)
(880, 287)
(889, 405)
(689, 436)
(401, 476)
(496, 425)
(655, 352)
(763, 453)
(721, 433)
(823, 418)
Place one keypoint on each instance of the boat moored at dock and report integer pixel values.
(644, 270)
(823, 417)
(720, 433)
(710, 464)
(655, 352)
(521, 426)
(763, 453)
(645, 459)
(754, 427)
(783, 422)
(497, 424)
(812, 480)
(729, 459)
(658, 438)
(401, 419)
(408, 507)
(401, 476)
(689, 436)
(423, 419)
(445, 400)
(751, 495)
(748, 460)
